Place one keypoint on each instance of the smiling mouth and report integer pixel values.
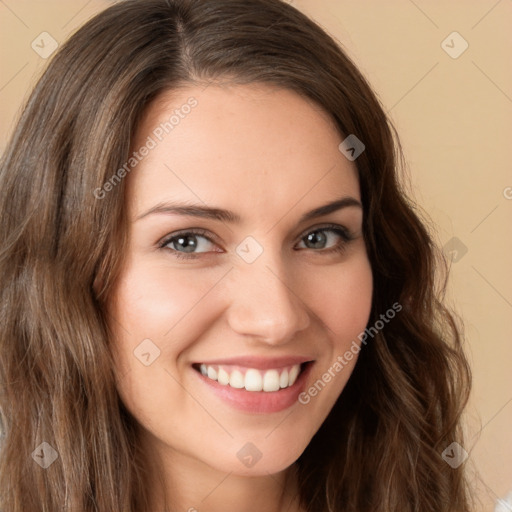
(252, 379)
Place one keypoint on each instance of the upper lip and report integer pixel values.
(259, 363)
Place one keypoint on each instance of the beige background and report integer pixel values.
(454, 117)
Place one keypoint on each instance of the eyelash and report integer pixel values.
(345, 235)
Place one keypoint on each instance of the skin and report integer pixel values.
(269, 155)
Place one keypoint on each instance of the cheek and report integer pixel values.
(341, 296)
(343, 304)
(354, 302)
(160, 312)
(158, 303)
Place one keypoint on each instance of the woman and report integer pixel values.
(215, 293)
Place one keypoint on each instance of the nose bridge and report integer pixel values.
(264, 303)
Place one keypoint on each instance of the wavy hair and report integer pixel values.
(380, 447)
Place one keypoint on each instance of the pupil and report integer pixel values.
(317, 238)
(189, 247)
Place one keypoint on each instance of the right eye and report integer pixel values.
(187, 244)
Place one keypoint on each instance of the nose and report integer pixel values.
(264, 303)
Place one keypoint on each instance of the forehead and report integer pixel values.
(256, 146)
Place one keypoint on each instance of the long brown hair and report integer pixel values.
(380, 447)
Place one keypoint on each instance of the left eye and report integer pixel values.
(318, 238)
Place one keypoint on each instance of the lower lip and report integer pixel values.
(259, 401)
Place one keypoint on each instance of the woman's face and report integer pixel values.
(251, 284)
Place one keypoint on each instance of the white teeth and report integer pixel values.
(253, 380)
(236, 380)
(212, 373)
(292, 377)
(271, 380)
(223, 377)
(283, 380)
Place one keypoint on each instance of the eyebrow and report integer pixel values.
(209, 212)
